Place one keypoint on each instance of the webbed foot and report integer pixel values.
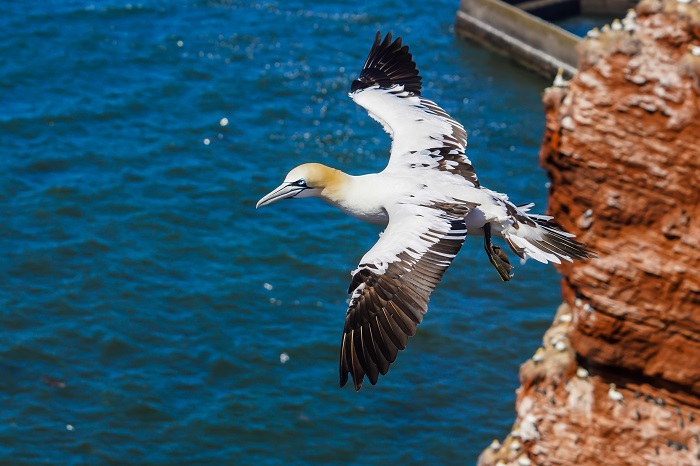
(497, 256)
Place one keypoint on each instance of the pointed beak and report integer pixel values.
(284, 191)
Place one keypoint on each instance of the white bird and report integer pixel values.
(538, 357)
(560, 346)
(613, 394)
(428, 199)
(565, 318)
(630, 20)
(593, 33)
(559, 80)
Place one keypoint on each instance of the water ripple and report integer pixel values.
(147, 304)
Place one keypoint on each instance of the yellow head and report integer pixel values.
(307, 180)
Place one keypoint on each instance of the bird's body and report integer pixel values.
(428, 199)
(613, 394)
(368, 197)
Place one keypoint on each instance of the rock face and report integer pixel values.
(622, 148)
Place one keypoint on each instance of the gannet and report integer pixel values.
(593, 33)
(428, 198)
(613, 394)
(560, 346)
(559, 80)
(565, 318)
(538, 357)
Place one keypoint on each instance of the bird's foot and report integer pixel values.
(499, 259)
(497, 256)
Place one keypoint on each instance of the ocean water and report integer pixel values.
(146, 306)
(580, 25)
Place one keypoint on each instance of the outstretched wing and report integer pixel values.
(423, 134)
(392, 286)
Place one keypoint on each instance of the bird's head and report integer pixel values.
(307, 180)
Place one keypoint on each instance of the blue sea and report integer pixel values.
(151, 315)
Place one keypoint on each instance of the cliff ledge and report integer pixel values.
(622, 149)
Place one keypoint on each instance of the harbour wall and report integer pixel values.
(522, 31)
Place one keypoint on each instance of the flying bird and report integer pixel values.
(428, 198)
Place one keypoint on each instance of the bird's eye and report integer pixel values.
(301, 182)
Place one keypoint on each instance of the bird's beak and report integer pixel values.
(284, 191)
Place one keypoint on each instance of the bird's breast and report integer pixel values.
(363, 197)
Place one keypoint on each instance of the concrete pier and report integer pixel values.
(521, 29)
(529, 40)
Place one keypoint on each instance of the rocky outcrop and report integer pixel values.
(618, 378)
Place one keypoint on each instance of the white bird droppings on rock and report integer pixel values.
(528, 428)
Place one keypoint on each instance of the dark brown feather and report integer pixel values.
(387, 307)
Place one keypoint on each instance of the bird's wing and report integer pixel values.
(392, 285)
(423, 134)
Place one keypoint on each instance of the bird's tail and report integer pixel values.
(538, 237)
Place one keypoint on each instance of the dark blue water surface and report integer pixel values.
(145, 303)
(580, 25)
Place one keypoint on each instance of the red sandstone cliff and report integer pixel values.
(622, 148)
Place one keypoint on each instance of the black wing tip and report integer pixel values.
(388, 64)
(358, 385)
(357, 382)
(344, 381)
